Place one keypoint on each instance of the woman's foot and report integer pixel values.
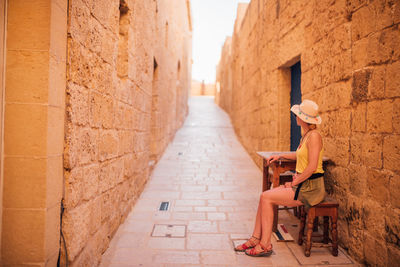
(260, 251)
(252, 242)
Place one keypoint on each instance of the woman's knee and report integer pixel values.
(266, 195)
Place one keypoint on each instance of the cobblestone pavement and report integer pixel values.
(212, 186)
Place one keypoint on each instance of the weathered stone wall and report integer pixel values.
(349, 52)
(128, 78)
(224, 79)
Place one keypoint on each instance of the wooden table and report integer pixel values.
(278, 167)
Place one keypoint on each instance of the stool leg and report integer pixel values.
(334, 234)
(302, 225)
(326, 230)
(310, 224)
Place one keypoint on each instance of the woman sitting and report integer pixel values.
(307, 187)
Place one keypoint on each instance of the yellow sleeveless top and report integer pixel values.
(302, 158)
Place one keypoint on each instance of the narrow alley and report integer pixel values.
(212, 186)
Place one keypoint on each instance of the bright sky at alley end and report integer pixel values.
(213, 21)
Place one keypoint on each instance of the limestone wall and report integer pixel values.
(224, 78)
(349, 52)
(33, 102)
(128, 78)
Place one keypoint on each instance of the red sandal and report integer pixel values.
(248, 244)
(264, 253)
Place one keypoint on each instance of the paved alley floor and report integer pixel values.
(212, 186)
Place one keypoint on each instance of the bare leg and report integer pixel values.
(276, 196)
(256, 233)
(257, 226)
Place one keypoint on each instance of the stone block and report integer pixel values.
(129, 169)
(374, 254)
(80, 64)
(380, 46)
(369, 248)
(328, 123)
(76, 228)
(24, 182)
(73, 189)
(95, 36)
(383, 14)
(341, 178)
(25, 129)
(392, 226)
(58, 31)
(28, 25)
(376, 88)
(358, 179)
(89, 182)
(104, 77)
(353, 215)
(359, 53)
(24, 233)
(78, 20)
(77, 104)
(356, 148)
(54, 181)
(27, 82)
(362, 22)
(354, 5)
(396, 14)
(379, 116)
(107, 12)
(396, 116)
(337, 149)
(394, 187)
(371, 153)
(393, 80)
(52, 230)
(378, 187)
(108, 145)
(55, 131)
(342, 123)
(393, 253)
(81, 146)
(359, 118)
(360, 85)
(109, 47)
(126, 144)
(339, 39)
(95, 215)
(101, 110)
(57, 81)
(391, 152)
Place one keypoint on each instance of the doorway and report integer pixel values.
(295, 98)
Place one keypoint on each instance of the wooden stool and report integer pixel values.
(327, 208)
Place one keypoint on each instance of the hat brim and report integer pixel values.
(296, 110)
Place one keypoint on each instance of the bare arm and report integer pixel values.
(273, 158)
(314, 145)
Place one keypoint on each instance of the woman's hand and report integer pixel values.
(273, 158)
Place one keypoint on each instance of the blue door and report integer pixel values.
(295, 98)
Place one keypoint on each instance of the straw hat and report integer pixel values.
(307, 111)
